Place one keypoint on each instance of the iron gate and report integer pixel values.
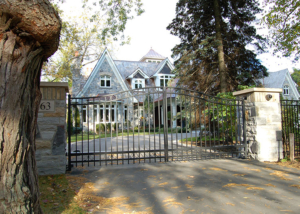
(155, 124)
(290, 114)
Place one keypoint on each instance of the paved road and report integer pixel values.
(141, 147)
(212, 186)
(136, 142)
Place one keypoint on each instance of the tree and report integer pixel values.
(296, 77)
(212, 56)
(29, 34)
(80, 44)
(283, 20)
(87, 35)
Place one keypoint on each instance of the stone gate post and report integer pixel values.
(263, 122)
(51, 129)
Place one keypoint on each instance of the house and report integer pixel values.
(132, 80)
(282, 79)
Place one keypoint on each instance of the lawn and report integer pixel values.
(57, 196)
(85, 136)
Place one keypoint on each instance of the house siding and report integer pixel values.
(95, 87)
(292, 95)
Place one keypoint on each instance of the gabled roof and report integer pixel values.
(162, 64)
(277, 79)
(138, 71)
(152, 55)
(96, 70)
(127, 69)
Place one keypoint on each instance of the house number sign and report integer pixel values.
(47, 106)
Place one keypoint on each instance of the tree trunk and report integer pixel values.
(29, 33)
(222, 66)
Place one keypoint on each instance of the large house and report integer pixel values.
(282, 79)
(111, 79)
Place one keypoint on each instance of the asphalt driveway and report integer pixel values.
(206, 186)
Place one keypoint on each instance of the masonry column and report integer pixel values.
(51, 129)
(263, 122)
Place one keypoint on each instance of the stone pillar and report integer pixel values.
(51, 131)
(263, 122)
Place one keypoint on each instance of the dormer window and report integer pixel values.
(105, 81)
(138, 83)
(285, 90)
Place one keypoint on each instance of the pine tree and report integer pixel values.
(212, 56)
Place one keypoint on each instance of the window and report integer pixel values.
(104, 112)
(105, 81)
(285, 90)
(138, 83)
(84, 114)
(164, 80)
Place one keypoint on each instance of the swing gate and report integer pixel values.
(155, 124)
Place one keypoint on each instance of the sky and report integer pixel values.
(149, 31)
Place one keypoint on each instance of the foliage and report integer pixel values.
(196, 57)
(283, 20)
(57, 196)
(148, 104)
(296, 77)
(83, 38)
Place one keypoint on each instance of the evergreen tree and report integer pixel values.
(212, 56)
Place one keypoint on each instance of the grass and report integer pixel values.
(86, 136)
(194, 139)
(57, 196)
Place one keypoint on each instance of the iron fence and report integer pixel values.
(155, 124)
(290, 115)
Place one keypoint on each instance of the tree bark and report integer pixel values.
(29, 34)
(221, 59)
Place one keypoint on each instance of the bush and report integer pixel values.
(77, 130)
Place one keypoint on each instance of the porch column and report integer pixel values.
(174, 108)
(263, 122)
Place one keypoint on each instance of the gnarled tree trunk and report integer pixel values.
(29, 34)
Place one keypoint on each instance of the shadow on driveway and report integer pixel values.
(206, 186)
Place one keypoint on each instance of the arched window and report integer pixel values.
(286, 90)
(105, 81)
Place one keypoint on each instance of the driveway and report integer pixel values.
(209, 186)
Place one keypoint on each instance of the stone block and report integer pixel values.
(60, 103)
(43, 152)
(276, 118)
(47, 135)
(59, 141)
(261, 120)
(48, 128)
(59, 112)
(43, 144)
(49, 120)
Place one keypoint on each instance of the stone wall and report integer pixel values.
(263, 122)
(51, 130)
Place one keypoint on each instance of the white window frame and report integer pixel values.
(105, 78)
(84, 109)
(142, 82)
(166, 79)
(286, 90)
(105, 108)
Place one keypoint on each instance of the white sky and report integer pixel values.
(149, 30)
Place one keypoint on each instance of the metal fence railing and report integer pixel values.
(290, 114)
(155, 124)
